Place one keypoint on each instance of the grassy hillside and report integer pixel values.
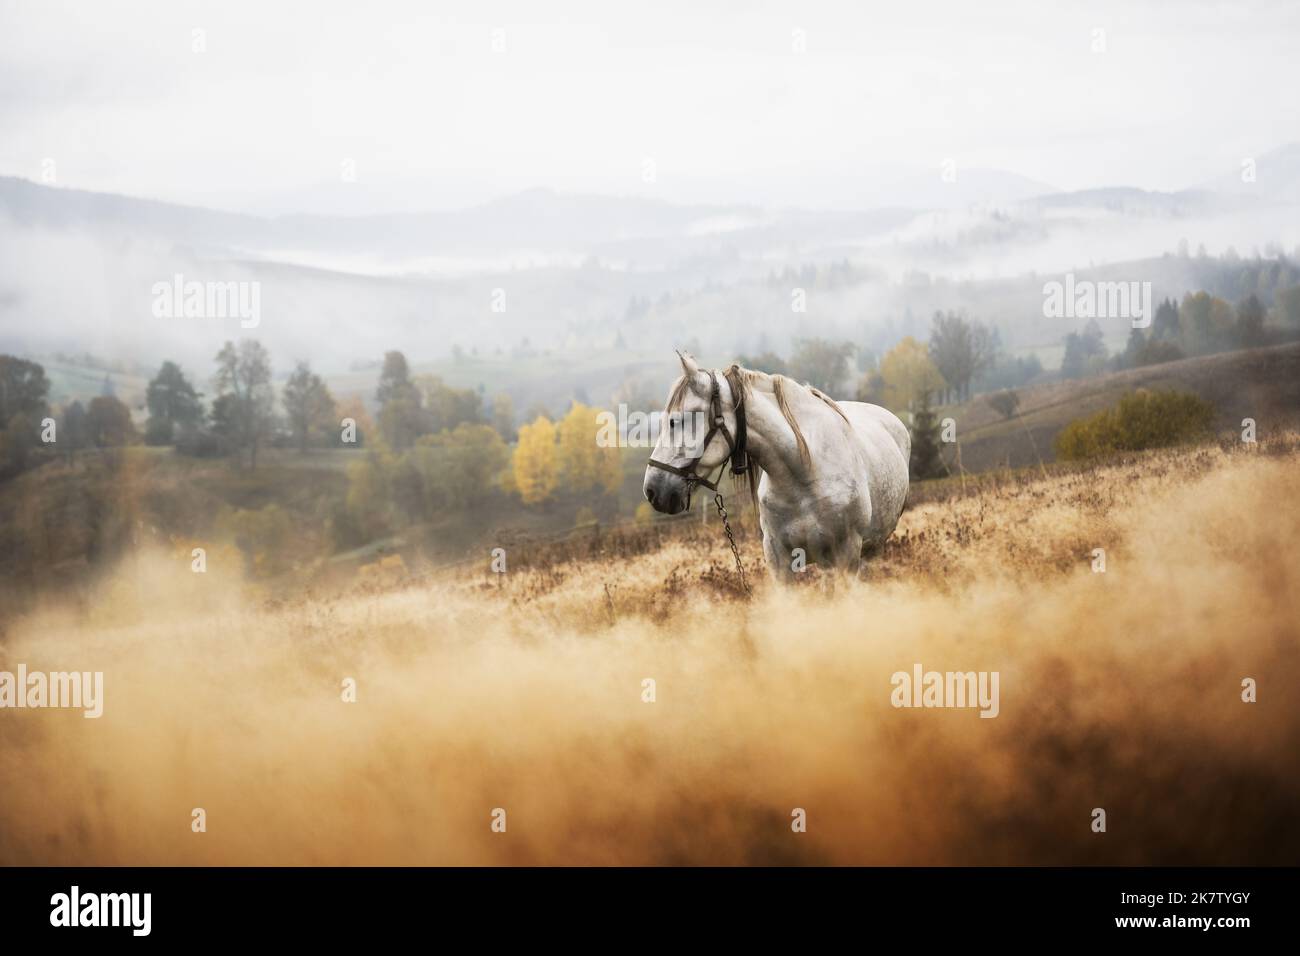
(81, 383)
(1263, 384)
(62, 523)
(525, 691)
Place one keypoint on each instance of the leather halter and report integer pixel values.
(737, 444)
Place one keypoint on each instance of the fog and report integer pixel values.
(587, 182)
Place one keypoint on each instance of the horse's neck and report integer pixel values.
(771, 438)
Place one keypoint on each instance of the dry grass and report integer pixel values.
(1119, 690)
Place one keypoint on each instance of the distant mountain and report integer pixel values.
(542, 226)
(77, 268)
(1129, 201)
(538, 218)
(960, 188)
(1276, 177)
(535, 227)
(32, 204)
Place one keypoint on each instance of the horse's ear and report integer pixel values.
(689, 365)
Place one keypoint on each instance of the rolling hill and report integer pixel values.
(1263, 384)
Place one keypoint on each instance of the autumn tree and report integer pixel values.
(584, 465)
(459, 467)
(445, 407)
(367, 507)
(907, 375)
(535, 468)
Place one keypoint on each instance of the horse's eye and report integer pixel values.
(673, 423)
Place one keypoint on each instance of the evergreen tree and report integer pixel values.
(926, 460)
(172, 401)
(1249, 329)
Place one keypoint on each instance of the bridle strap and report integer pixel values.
(740, 449)
(737, 445)
(690, 476)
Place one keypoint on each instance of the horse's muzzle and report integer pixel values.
(665, 492)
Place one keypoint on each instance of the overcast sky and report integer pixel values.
(724, 105)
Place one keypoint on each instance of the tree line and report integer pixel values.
(1201, 324)
(437, 459)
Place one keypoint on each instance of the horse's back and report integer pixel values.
(870, 421)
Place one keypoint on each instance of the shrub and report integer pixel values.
(261, 535)
(1158, 352)
(158, 431)
(1004, 403)
(201, 443)
(1142, 419)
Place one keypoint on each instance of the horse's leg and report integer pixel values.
(777, 562)
(845, 555)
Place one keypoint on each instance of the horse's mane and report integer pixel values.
(743, 381)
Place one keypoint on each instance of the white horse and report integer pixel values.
(831, 476)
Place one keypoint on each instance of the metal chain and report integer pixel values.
(731, 539)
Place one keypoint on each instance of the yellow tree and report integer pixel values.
(908, 374)
(584, 464)
(535, 467)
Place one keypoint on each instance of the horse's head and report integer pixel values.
(692, 441)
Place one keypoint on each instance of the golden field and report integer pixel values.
(523, 691)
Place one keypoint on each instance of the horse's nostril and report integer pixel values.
(650, 495)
